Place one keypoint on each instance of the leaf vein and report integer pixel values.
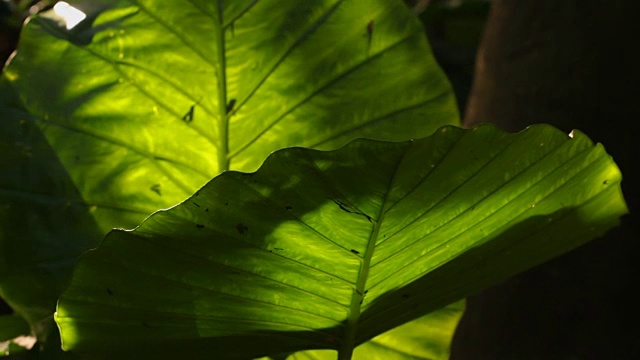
(322, 87)
(513, 216)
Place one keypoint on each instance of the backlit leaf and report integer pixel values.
(326, 250)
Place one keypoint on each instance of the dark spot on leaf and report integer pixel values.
(370, 26)
(405, 296)
(366, 292)
(241, 228)
(355, 251)
(188, 117)
(605, 182)
(361, 300)
(156, 188)
(278, 249)
(110, 292)
(199, 226)
(226, 203)
(206, 210)
(288, 207)
(344, 207)
(195, 203)
(197, 193)
(230, 105)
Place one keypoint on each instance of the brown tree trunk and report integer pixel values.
(572, 64)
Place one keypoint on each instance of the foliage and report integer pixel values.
(141, 105)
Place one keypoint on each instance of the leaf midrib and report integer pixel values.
(349, 342)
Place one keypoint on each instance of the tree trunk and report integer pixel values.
(572, 64)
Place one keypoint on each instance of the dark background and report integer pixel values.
(573, 64)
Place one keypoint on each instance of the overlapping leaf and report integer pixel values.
(145, 101)
(330, 249)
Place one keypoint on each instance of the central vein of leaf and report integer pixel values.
(349, 341)
(355, 309)
(223, 118)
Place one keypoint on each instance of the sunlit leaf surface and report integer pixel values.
(326, 250)
(143, 102)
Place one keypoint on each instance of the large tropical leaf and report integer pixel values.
(326, 250)
(145, 101)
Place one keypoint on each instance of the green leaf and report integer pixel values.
(326, 250)
(12, 326)
(146, 101)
